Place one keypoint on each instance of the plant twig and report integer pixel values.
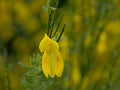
(61, 32)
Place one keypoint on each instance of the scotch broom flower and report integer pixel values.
(52, 62)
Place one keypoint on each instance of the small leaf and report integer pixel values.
(23, 65)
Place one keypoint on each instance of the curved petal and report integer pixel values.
(42, 45)
(45, 64)
(46, 41)
(59, 66)
(51, 62)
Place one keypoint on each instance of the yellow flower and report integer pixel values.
(52, 62)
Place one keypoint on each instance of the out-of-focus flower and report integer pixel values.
(85, 83)
(102, 45)
(113, 28)
(52, 62)
(76, 75)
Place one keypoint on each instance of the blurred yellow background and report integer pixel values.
(90, 45)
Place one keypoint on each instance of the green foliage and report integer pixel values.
(34, 79)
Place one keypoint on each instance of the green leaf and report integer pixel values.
(23, 65)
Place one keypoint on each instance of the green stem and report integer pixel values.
(53, 23)
(49, 22)
(58, 25)
(61, 32)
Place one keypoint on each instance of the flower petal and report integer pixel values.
(45, 64)
(42, 45)
(59, 66)
(46, 41)
(51, 61)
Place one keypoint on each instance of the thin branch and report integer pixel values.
(54, 18)
(49, 22)
(58, 25)
(53, 22)
(61, 32)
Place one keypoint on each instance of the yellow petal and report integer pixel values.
(59, 63)
(48, 63)
(45, 64)
(46, 41)
(51, 61)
